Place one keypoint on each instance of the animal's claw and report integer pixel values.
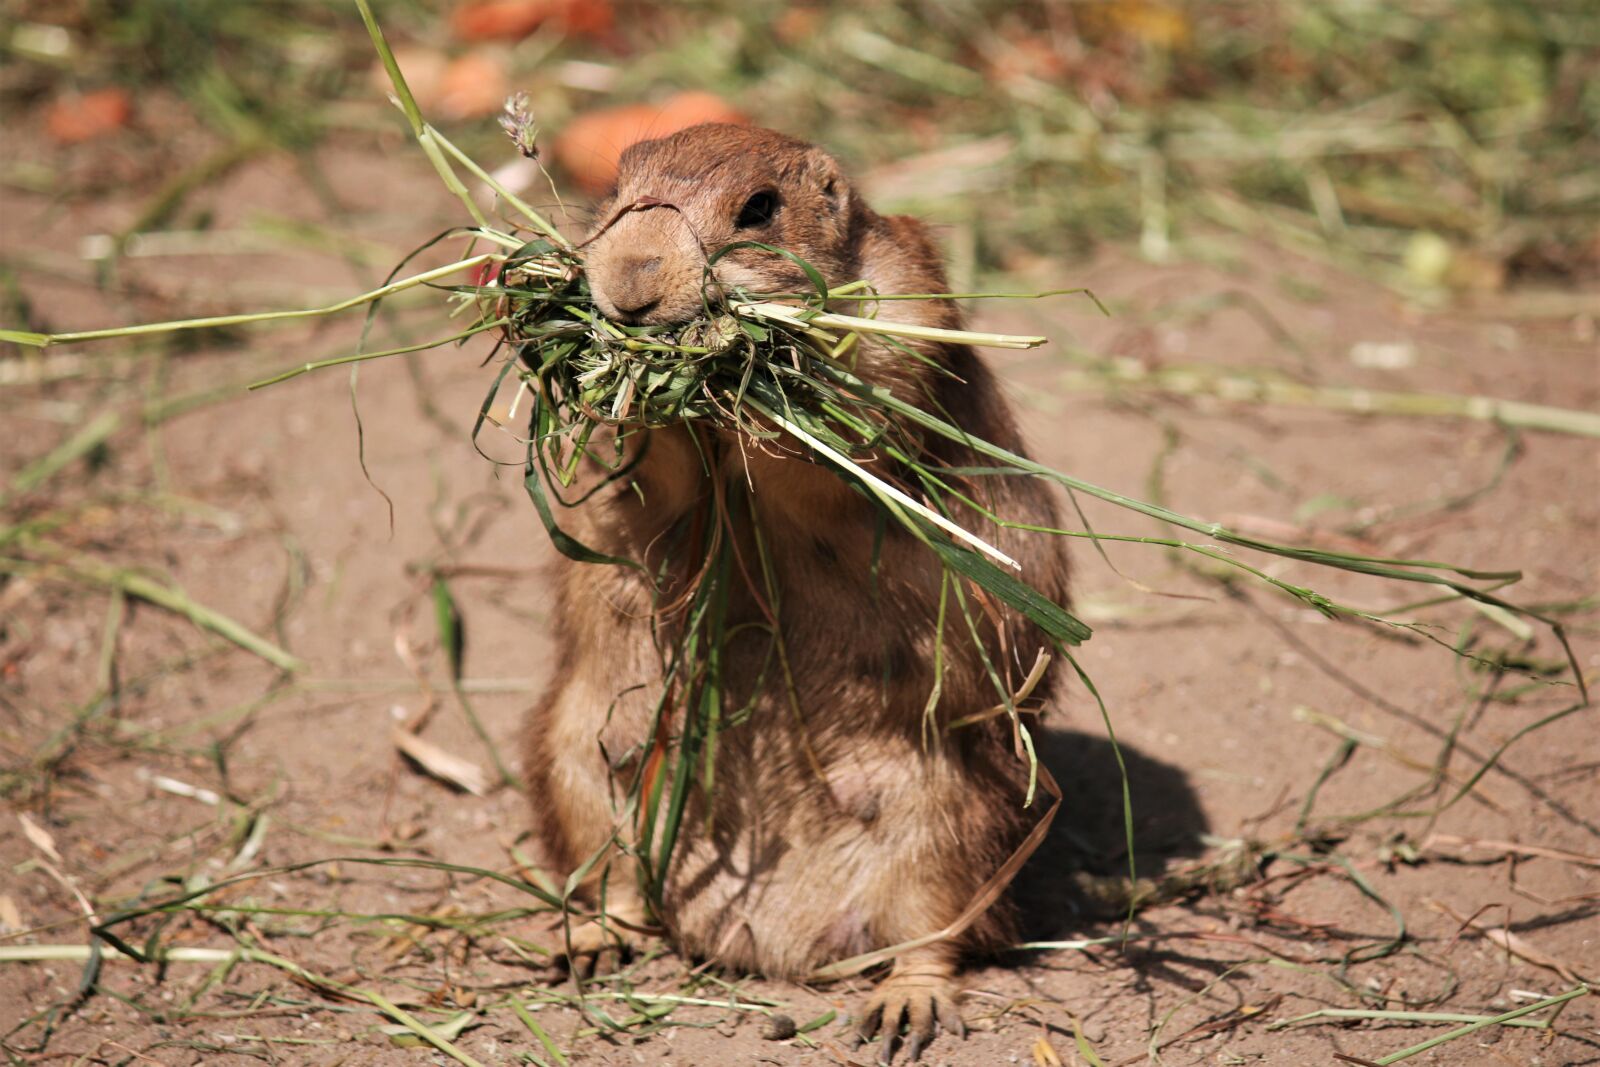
(923, 1001)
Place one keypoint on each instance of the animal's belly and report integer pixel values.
(799, 861)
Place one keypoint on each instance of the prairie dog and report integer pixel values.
(837, 825)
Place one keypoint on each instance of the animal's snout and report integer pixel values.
(647, 269)
(641, 288)
(635, 285)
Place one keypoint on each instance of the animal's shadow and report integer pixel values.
(1088, 836)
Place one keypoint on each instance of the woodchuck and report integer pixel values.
(839, 823)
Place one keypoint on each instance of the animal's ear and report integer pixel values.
(828, 178)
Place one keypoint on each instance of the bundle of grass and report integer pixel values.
(751, 363)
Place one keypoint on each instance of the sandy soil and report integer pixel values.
(1228, 707)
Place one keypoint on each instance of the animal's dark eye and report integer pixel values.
(758, 210)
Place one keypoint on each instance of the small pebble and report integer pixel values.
(779, 1028)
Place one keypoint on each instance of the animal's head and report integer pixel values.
(680, 199)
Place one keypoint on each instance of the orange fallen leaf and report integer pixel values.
(591, 145)
(796, 24)
(423, 69)
(74, 118)
(512, 20)
(1155, 23)
(472, 86)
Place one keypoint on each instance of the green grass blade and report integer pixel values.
(1472, 1028)
(362, 357)
(539, 221)
(550, 1046)
(80, 444)
(176, 601)
(413, 113)
(26, 337)
(880, 487)
(565, 543)
(1040, 609)
(244, 319)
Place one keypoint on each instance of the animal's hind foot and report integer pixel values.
(919, 995)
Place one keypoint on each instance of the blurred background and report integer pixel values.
(1351, 256)
(1439, 146)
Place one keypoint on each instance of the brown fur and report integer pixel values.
(790, 870)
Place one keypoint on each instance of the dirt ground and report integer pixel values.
(149, 755)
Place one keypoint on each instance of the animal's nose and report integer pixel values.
(637, 287)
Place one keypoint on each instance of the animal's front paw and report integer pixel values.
(920, 996)
(593, 948)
